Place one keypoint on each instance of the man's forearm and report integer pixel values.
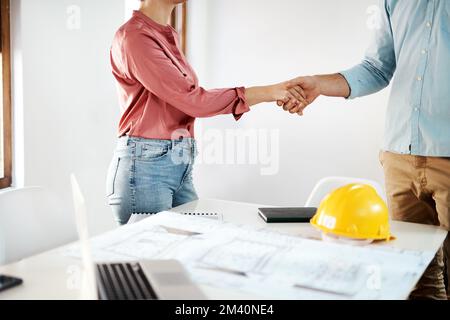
(333, 85)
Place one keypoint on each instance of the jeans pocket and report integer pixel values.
(112, 175)
(153, 152)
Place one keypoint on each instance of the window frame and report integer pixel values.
(178, 21)
(5, 39)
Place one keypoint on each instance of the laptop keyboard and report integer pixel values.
(124, 281)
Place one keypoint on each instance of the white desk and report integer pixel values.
(47, 275)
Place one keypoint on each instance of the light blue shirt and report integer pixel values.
(412, 46)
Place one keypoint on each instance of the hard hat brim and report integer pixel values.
(388, 237)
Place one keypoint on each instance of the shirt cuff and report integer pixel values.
(241, 105)
(351, 76)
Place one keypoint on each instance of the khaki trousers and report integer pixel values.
(418, 190)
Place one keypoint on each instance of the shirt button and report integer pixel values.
(416, 109)
(424, 51)
(419, 78)
(429, 24)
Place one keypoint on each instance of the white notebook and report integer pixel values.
(136, 217)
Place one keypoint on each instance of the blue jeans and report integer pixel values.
(150, 176)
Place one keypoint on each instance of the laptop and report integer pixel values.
(142, 280)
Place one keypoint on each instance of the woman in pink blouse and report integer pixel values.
(160, 97)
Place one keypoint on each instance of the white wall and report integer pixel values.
(66, 109)
(252, 42)
(70, 107)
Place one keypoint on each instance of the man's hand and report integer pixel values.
(330, 85)
(310, 88)
(288, 93)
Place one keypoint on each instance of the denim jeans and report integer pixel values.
(150, 176)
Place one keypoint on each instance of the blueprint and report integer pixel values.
(263, 263)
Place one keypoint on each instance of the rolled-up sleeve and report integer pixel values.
(151, 66)
(375, 72)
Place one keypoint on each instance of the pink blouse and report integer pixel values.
(158, 90)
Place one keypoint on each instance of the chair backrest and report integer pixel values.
(32, 221)
(326, 185)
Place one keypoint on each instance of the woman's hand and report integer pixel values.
(286, 93)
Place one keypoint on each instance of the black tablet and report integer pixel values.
(285, 215)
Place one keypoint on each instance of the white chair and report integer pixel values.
(32, 221)
(326, 185)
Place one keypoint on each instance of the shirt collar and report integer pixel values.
(150, 22)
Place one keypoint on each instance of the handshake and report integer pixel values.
(297, 94)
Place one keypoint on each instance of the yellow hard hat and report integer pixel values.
(354, 211)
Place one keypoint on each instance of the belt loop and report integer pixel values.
(138, 149)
